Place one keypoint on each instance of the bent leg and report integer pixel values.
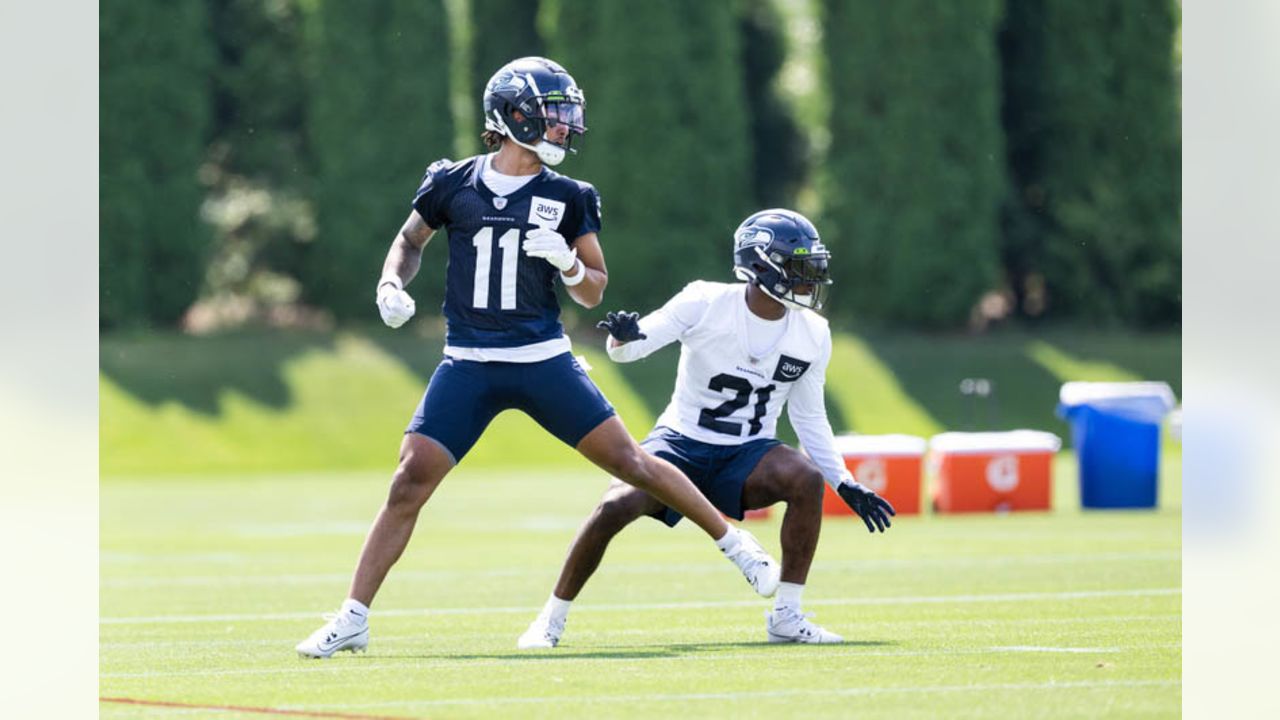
(613, 450)
(621, 505)
(423, 464)
(785, 474)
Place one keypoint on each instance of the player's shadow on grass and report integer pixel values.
(628, 652)
(196, 372)
(419, 350)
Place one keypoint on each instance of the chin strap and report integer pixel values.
(549, 153)
(793, 301)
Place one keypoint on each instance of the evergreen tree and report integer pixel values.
(779, 148)
(1099, 121)
(378, 114)
(154, 60)
(668, 143)
(915, 174)
(501, 31)
(259, 102)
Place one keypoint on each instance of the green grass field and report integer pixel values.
(240, 473)
(206, 585)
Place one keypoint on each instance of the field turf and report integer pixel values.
(207, 582)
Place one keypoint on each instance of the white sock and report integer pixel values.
(556, 609)
(355, 611)
(730, 541)
(788, 596)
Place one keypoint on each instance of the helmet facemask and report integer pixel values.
(536, 116)
(805, 269)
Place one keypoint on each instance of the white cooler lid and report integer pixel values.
(1080, 393)
(880, 445)
(982, 442)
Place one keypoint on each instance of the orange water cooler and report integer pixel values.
(992, 471)
(888, 464)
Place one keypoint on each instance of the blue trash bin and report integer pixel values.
(1115, 428)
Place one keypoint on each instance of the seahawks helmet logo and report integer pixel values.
(753, 237)
(508, 81)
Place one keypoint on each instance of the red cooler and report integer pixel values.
(993, 471)
(888, 464)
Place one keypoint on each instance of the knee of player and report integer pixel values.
(410, 485)
(616, 512)
(631, 465)
(806, 482)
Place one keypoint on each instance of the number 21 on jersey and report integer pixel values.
(509, 244)
(713, 418)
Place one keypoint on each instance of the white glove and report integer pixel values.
(550, 246)
(394, 304)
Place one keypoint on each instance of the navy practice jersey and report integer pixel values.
(495, 295)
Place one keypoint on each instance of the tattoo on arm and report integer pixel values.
(405, 255)
(416, 230)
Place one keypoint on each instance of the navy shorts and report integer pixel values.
(718, 471)
(464, 396)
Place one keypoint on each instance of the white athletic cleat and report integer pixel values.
(789, 626)
(543, 634)
(340, 633)
(763, 572)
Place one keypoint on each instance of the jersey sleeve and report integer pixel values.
(583, 216)
(807, 409)
(664, 325)
(429, 199)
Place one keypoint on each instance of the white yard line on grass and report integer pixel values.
(580, 635)
(578, 655)
(756, 694)
(692, 605)
(620, 569)
(1039, 649)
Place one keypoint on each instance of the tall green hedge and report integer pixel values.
(378, 114)
(154, 62)
(915, 173)
(668, 144)
(1092, 110)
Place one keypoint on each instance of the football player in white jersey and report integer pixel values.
(746, 350)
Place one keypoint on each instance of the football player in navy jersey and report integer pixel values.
(514, 227)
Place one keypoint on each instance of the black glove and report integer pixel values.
(869, 506)
(623, 326)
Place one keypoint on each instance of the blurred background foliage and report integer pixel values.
(967, 163)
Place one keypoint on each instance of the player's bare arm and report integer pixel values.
(405, 255)
(590, 290)
(403, 259)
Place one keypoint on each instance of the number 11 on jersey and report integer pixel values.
(509, 243)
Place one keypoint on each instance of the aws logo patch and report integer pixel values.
(789, 369)
(545, 213)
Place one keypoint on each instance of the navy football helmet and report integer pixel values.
(780, 251)
(545, 96)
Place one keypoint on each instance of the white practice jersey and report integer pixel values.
(725, 393)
